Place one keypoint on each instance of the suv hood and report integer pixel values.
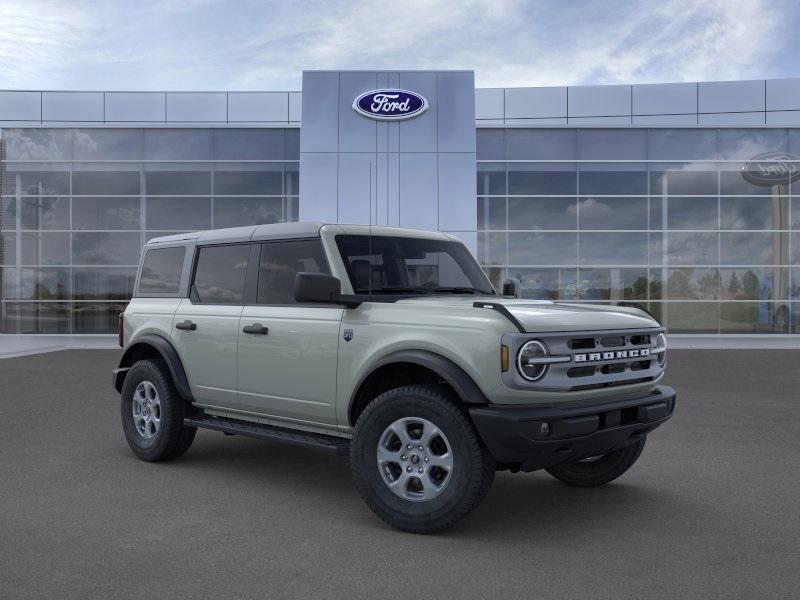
(543, 315)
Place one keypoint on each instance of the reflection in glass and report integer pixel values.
(178, 213)
(610, 183)
(756, 248)
(248, 182)
(542, 248)
(96, 317)
(693, 284)
(546, 284)
(754, 212)
(492, 213)
(36, 317)
(755, 283)
(93, 212)
(49, 248)
(613, 249)
(116, 183)
(102, 283)
(542, 213)
(754, 317)
(235, 212)
(177, 183)
(612, 213)
(492, 248)
(692, 317)
(692, 248)
(248, 144)
(45, 212)
(692, 213)
(613, 284)
(98, 248)
(491, 180)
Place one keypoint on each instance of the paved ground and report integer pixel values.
(710, 510)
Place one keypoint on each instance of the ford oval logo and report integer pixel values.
(390, 105)
(772, 168)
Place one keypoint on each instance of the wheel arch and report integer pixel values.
(154, 346)
(408, 366)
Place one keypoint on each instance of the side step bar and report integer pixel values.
(330, 443)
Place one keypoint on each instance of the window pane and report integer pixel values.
(683, 183)
(106, 248)
(692, 213)
(492, 248)
(522, 181)
(761, 248)
(541, 144)
(248, 144)
(219, 278)
(36, 284)
(37, 317)
(98, 183)
(542, 248)
(746, 144)
(545, 284)
(613, 182)
(754, 317)
(754, 283)
(185, 214)
(612, 144)
(44, 212)
(100, 283)
(692, 317)
(50, 248)
(108, 144)
(161, 270)
(491, 179)
(692, 248)
(234, 212)
(250, 183)
(492, 213)
(613, 249)
(612, 213)
(281, 262)
(96, 317)
(542, 213)
(682, 144)
(291, 144)
(754, 213)
(693, 284)
(291, 178)
(177, 183)
(8, 248)
(105, 213)
(44, 183)
(612, 284)
(732, 182)
(491, 144)
(38, 144)
(177, 144)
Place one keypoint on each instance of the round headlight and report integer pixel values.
(528, 360)
(661, 342)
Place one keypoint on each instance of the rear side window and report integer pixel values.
(280, 262)
(220, 274)
(161, 271)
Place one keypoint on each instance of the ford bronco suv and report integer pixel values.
(391, 346)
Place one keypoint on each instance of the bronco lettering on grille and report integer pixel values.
(615, 355)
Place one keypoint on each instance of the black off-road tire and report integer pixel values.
(173, 437)
(473, 467)
(602, 470)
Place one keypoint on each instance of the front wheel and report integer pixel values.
(599, 470)
(418, 461)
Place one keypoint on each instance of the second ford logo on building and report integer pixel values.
(390, 104)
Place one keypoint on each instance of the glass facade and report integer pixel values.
(663, 218)
(77, 205)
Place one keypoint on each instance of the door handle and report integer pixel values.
(256, 328)
(187, 325)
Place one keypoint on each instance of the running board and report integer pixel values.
(330, 443)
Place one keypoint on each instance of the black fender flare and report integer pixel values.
(167, 352)
(463, 385)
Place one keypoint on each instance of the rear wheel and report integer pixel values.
(153, 412)
(599, 470)
(417, 460)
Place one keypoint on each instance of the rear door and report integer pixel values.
(287, 351)
(206, 325)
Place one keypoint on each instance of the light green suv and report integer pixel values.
(389, 345)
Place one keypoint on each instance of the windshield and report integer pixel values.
(407, 265)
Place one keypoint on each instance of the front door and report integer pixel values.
(287, 351)
(206, 325)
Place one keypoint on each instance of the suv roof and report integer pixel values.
(291, 230)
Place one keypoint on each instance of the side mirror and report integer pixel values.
(511, 288)
(317, 287)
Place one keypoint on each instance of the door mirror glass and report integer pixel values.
(317, 287)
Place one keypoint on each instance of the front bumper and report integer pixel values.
(533, 437)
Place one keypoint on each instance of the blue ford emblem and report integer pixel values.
(390, 105)
(772, 168)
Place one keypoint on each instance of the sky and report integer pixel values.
(264, 45)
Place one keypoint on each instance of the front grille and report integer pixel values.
(588, 360)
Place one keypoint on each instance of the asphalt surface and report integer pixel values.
(710, 510)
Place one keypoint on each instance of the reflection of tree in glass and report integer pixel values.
(750, 286)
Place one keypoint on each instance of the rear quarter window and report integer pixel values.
(161, 271)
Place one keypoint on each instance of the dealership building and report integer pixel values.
(682, 198)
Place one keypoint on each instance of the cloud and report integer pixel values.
(216, 44)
